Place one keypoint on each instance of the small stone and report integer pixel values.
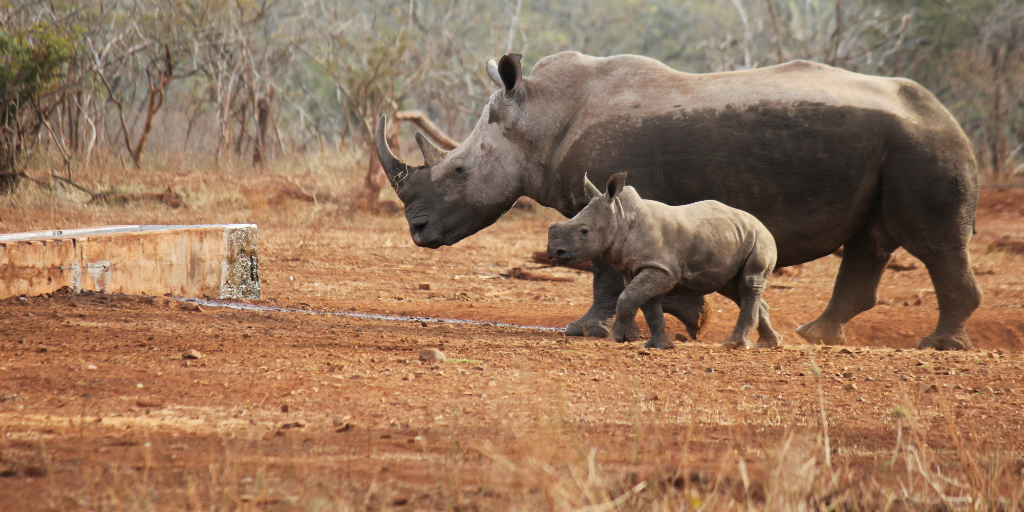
(191, 307)
(928, 388)
(850, 386)
(149, 403)
(904, 378)
(958, 386)
(681, 337)
(868, 378)
(921, 363)
(432, 354)
(988, 389)
(341, 420)
(91, 367)
(425, 286)
(801, 374)
(848, 375)
(860, 399)
(746, 387)
(642, 353)
(285, 408)
(845, 351)
(294, 424)
(423, 324)
(192, 354)
(492, 384)
(709, 370)
(777, 367)
(651, 397)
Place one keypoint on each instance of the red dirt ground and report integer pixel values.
(305, 411)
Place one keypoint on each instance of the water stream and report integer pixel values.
(365, 316)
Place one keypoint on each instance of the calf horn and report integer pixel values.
(396, 171)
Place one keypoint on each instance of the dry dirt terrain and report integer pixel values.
(300, 404)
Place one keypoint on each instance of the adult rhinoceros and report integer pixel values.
(822, 156)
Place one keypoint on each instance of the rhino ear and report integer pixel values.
(615, 184)
(589, 188)
(492, 71)
(510, 71)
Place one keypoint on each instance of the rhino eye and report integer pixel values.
(460, 170)
(584, 231)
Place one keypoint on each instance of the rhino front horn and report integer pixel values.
(396, 171)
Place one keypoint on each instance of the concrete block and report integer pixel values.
(216, 260)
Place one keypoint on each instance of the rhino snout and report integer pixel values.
(421, 236)
(559, 254)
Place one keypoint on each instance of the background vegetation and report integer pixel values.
(120, 81)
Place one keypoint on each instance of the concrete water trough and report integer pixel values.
(213, 260)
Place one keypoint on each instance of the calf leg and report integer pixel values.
(694, 312)
(656, 322)
(766, 336)
(649, 284)
(864, 259)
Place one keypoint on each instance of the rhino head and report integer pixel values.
(593, 230)
(459, 192)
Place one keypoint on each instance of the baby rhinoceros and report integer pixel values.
(688, 250)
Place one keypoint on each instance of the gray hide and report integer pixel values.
(689, 250)
(825, 158)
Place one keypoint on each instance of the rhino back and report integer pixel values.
(800, 145)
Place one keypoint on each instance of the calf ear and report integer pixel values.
(615, 184)
(510, 71)
(589, 188)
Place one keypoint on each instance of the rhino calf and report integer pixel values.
(689, 250)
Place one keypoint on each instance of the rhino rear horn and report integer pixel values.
(432, 155)
(396, 171)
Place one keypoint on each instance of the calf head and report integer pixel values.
(592, 231)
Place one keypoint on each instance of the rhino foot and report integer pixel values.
(824, 332)
(587, 327)
(625, 329)
(661, 342)
(959, 342)
(767, 342)
(731, 344)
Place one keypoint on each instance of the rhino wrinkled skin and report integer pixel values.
(825, 158)
(689, 250)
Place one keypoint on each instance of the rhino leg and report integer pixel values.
(864, 259)
(656, 322)
(767, 337)
(648, 286)
(746, 290)
(958, 294)
(694, 312)
(607, 287)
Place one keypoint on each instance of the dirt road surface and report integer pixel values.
(305, 408)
